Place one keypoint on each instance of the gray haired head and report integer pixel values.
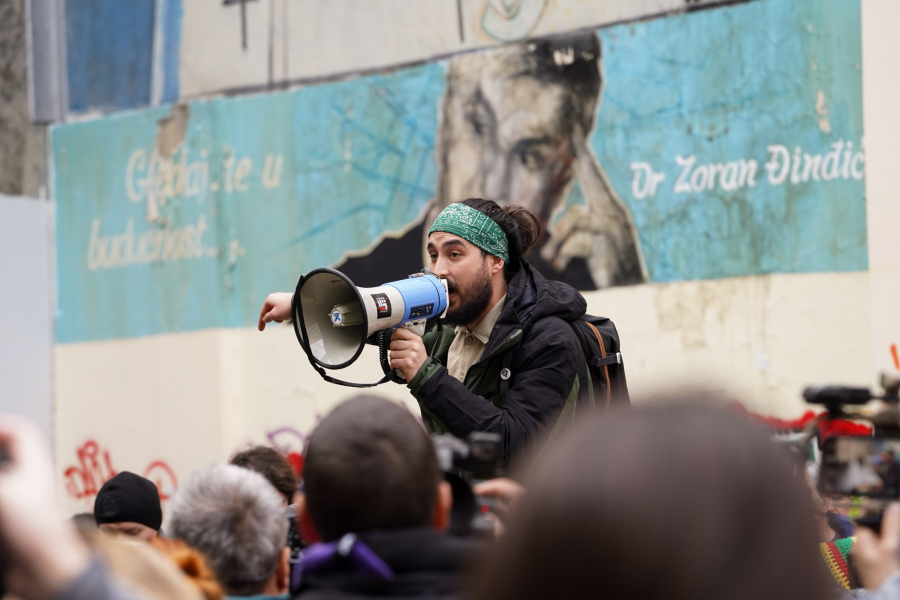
(235, 517)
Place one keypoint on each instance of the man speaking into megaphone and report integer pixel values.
(512, 362)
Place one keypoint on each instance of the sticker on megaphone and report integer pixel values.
(337, 317)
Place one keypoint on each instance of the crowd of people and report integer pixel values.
(677, 501)
(684, 500)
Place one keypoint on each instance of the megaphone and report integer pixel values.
(333, 318)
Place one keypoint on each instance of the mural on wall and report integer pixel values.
(515, 125)
(713, 144)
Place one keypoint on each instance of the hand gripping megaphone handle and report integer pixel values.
(300, 332)
(418, 328)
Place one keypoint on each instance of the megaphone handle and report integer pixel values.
(418, 328)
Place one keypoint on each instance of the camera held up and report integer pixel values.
(861, 472)
(464, 464)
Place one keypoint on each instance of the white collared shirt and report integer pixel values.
(468, 346)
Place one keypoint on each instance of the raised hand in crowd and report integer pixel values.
(43, 552)
(876, 557)
(505, 493)
(503, 490)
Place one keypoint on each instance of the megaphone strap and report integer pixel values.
(300, 332)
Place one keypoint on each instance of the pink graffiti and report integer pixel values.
(94, 468)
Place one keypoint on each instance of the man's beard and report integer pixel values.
(474, 303)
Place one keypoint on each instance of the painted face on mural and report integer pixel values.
(515, 128)
(508, 122)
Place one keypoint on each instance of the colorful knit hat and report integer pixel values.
(835, 555)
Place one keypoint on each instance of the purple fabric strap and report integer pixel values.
(356, 555)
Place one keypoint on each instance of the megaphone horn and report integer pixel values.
(333, 318)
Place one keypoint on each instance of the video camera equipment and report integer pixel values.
(863, 468)
(333, 318)
(464, 464)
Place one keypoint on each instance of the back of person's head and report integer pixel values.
(521, 226)
(237, 519)
(269, 463)
(679, 502)
(193, 564)
(369, 465)
(128, 498)
(142, 569)
(85, 522)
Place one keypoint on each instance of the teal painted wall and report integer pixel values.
(261, 190)
(745, 83)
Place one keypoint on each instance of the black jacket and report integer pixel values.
(533, 339)
(426, 564)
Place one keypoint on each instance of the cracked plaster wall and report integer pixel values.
(22, 163)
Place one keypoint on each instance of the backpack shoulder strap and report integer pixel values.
(602, 362)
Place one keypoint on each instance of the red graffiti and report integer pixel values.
(296, 462)
(94, 468)
(895, 356)
(85, 480)
(163, 478)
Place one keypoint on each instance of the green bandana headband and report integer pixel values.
(474, 226)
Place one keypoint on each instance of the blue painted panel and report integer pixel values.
(262, 189)
(727, 85)
(109, 53)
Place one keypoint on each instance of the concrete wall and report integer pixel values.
(26, 345)
(287, 42)
(145, 52)
(22, 144)
(881, 86)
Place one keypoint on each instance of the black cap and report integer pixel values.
(128, 497)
